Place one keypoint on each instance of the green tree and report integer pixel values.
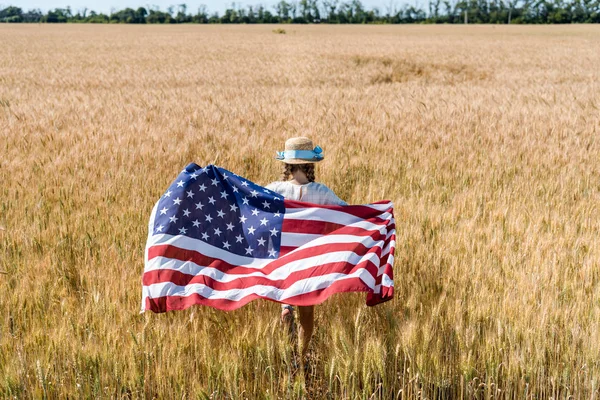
(11, 14)
(56, 16)
(283, 9)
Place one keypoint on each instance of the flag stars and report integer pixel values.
(203, 207)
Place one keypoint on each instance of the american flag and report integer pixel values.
(217, 239)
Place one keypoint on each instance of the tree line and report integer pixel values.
(334, 12)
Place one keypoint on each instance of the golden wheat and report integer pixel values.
(485, 138)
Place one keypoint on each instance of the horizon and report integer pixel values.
(213, 6)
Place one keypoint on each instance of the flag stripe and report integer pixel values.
(357, 210)
(223, 281)
(300, 239)
(168, 303)
(217, 270)
(197, 248)
(298, 288)
(302, 255)
(270, 291)
(326, 227)
(334, 216)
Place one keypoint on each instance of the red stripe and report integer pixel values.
(364, 212)
(387, 293)
(330, 228)
(325, 228)
(173, 252)
(181, 279)
(169, 303)
(309, 226)
(283, 250)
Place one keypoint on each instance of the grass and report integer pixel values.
(484, 137)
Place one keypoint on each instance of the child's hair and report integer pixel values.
(308, 169)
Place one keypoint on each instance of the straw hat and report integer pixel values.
(300, 150)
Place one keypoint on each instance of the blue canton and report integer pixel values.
(222, 209)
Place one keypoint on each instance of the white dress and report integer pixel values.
(312, 192)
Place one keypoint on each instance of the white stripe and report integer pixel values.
(271, 292)
(280, 273)
(150, 230)
(387, 281)
(378, 207)
(390, 261)
(391, 244)
(326, 215)
(303, 240)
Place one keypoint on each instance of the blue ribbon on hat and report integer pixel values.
(309, 155)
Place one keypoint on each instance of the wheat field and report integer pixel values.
(485, 138)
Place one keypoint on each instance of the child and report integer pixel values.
(298, 183)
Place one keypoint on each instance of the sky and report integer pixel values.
(106, 5)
